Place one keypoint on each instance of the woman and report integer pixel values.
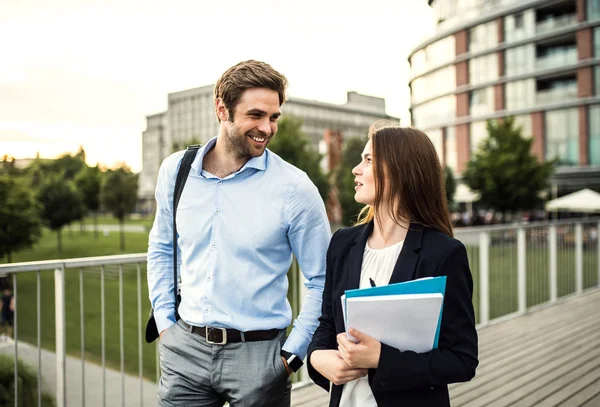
(404, 233)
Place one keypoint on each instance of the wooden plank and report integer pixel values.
(593, 402)
(514, 381)
(591, 392)
(528, 358)
(538, 382)
(563, 390)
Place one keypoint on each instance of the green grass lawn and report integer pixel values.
(503, 289)
(111, 220)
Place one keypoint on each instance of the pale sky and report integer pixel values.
(87, 72)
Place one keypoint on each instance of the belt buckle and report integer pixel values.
(223, 333)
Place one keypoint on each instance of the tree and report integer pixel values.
(505, 173)
(351, 156)
(119, 195)
(182, 145)
(293, 146)
(61, 204)
(88, 181)
(20, 224)
(69, 165)
(450, 184)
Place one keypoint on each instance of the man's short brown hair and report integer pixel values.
(248, 75)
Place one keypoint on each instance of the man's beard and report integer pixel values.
(238, 143)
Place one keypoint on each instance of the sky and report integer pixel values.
(87, 72)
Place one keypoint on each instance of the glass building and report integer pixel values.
(536, 60)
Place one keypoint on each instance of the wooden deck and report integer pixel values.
(549, 357)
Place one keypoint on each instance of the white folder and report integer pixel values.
(405, 322)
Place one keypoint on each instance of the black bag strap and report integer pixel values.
(182, 175)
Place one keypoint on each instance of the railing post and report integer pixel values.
(598, 249)
(484, 271)
(578, 258)
(59, 309)
(552, 254)
(521, 275)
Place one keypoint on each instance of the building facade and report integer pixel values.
(191, 117)
(536, 60)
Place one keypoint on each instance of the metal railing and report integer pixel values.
(515, 269)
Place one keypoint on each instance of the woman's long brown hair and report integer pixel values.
(407, 168)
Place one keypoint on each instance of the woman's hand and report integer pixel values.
(364, 354)
(331, 365)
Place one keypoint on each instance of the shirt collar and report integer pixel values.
(259, 163)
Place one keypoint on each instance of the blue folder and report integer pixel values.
(429, 285)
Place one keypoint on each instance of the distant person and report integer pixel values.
(404, 233)
(7, 312)
(244, 211)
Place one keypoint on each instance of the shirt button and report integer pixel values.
(209, 278)
(206, 309)
(220, 182)
(214, 245)
(217, 212)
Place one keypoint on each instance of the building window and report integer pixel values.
(597, 41)
(519, 94)
(519, 60)
(594, 143)
(437, 139)
(451, 156)
(593, 9)
(562, 136)
(524, 123)
(481, 101)
(483, 69)
(519, 21)
(483, 36)
(477, 133)
(519, 26)
(432, 114)
(434, 84)
(597, 79)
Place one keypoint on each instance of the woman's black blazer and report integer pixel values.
(405, 378)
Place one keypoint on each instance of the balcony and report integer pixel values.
(554, 23)
(558, 57)
(555, 95)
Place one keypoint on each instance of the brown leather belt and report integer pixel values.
(221, 336)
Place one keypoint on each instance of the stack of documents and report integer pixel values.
(406, 316)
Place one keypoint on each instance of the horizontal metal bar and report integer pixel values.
(525, 225)
(72, 263)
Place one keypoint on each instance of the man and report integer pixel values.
(7, 311)
(242, 214)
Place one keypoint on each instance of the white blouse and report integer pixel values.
(377, 265)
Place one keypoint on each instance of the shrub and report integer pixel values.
(27, 377)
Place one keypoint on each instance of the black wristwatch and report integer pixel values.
(293, 361)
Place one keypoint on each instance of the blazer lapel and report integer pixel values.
(355, 256)
(404, 269)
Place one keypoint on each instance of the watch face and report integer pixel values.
(294, 362)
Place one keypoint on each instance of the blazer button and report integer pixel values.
(382, 384)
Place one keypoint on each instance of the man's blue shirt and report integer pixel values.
(236, 239)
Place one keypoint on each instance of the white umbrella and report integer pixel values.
(464, 194)
(584, 200)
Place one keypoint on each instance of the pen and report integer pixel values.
(372, 282)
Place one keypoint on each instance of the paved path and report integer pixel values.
(93, 380)
(549, 357)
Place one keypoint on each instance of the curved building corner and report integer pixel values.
(536, 60)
